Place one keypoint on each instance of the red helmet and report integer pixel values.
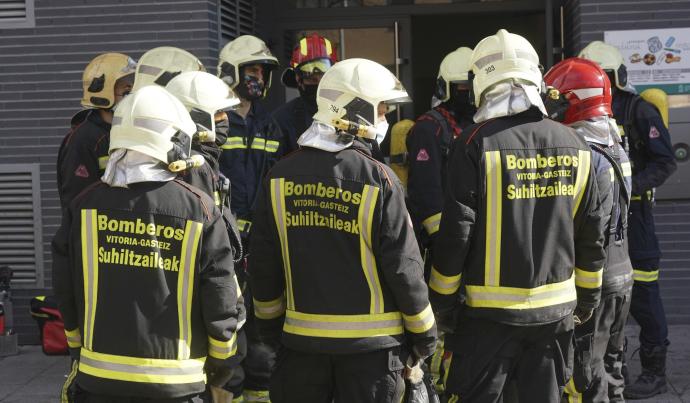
(586, 87)
(313, 54)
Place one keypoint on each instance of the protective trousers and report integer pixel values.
(488, 355)
(646, 307)
(324, 378)
(598, 356)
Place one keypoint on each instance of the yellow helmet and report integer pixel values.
(245, 49)
(454, 69)
(502, 57)
(153, 122)
(609, 58)
(100, 76)
(352, 90)
(159, 65)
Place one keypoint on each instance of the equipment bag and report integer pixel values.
(50, 325)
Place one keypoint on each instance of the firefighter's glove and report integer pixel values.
(581, 315)
(217, 374)
(413, 369)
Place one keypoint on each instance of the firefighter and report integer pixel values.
(206, 98)
(599, 343)
(160, 65)
(648, 143)
(142, 266)
(333, 255)
(84, 151)
(311, 58)
(428, 145)
(521, 229)
(246, 65)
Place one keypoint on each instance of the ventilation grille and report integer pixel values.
(236, 18)
(20, 223)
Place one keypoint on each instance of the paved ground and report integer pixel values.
(32, 377)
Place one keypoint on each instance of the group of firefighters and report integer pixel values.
(210, 248)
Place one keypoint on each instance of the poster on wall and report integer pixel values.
(655, 58)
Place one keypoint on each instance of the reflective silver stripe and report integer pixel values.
(432, 223)
(368, 261)
(222, 349)
(149, 70)
(329, 94)
(494, 205)
(185, 286)
(521, 298)
(483, 61)
(627, 170)
(343, 326)
(138, 369)
(444, 285)
(278, 201)
(420, 322)
(154, 125)
(89, 244)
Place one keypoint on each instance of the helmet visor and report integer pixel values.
(314, 66)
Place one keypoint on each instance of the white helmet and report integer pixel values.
(352, 90)
(159, 65)
(609, 58)
(454, 69)
(245, 49)
(203, 95)
(153, 122)
(502, 57)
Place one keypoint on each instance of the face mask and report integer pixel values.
(250, 88)
(381, 130)
(460, 105)
(308, 92)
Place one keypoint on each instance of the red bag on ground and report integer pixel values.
(50, 325)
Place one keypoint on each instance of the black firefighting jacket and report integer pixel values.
(333, 257)
(248, 154)
(146, 288)
(83, 155)
(428, 147)
(289, 121)
(522, 225)
(612, 169)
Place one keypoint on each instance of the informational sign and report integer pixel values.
(658, 58)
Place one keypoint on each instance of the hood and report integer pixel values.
(508, 98)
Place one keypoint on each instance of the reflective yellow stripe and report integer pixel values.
(234, 143)
(89, 245)
(436, 362)
(645, 275)
(573, 395)
(635, 198)
(431, 224)
(445, 376)
(366, 216)
(445, 285)
(222, 349)
(269, 309)
(303, 47)
(581, 179)
(272, 146)
(421, 322)
(454, 398)
(627, 169)
(239, 399)
(244, 225)
(102, 162)
(329, 47)
(144, 370)
(343, 326)
(256, 396)
(64, 393)
(185, 287)
(494, 206)
(216, 198)
(521, 298)
(278, 199)
(73, 338)
(589, 279)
